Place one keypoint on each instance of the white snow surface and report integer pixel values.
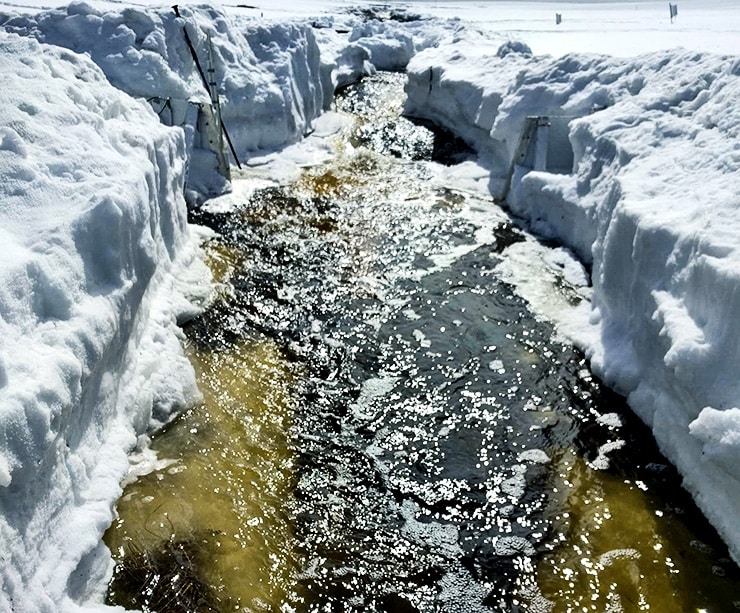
(95, 250)
(99, 263)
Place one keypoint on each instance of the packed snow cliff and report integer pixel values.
(104, 133)
(270, 78)
(94, 241)
(638, 176)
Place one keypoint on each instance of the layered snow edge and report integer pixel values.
(639, 180)
(94, 239)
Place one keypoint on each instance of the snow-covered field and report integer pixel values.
(98, 263)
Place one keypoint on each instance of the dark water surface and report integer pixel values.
(387, 426)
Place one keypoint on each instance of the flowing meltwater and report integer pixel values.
(387, 426)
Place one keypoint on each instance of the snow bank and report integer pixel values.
(94, 236)
(268, 76)
(273, 78)
(376, 38)
(640, 179)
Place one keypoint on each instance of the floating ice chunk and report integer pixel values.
(497, 366)
(460, 592)
(535, 456)
(371, 389)
(422, 339)
(536, 601)
(601, 462)
(411, 314)
(143, 462)
(608, 558)
(515, 485)
(610, 420)
(441, 537)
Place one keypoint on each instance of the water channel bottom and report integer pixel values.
(387, 427)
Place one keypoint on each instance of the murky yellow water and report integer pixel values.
(216, 513)
(352, 169)
(622, 552)
(223, 260)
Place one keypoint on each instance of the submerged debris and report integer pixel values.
(506, 236)
(165, 579)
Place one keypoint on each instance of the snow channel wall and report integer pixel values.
(651, 203)
(94, 233)
(271, 81)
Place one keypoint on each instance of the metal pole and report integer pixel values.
(207, 86)
(217, 102)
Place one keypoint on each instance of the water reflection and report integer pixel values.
(621, 543)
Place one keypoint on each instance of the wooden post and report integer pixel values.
(542, 137)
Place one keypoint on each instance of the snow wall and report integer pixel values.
(93, 282)
(269, 76)
(272, 78)
(95, 246)
(650, 200)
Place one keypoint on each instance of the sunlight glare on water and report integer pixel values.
(620, 545)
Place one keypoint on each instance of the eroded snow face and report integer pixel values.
(94, 228)
(447, 450)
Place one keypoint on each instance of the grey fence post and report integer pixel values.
(673, 9)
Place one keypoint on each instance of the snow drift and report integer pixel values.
(94, 234)
(648, 196)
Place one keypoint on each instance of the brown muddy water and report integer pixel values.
(386, 425)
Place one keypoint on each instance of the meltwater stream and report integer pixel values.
(386, 425)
